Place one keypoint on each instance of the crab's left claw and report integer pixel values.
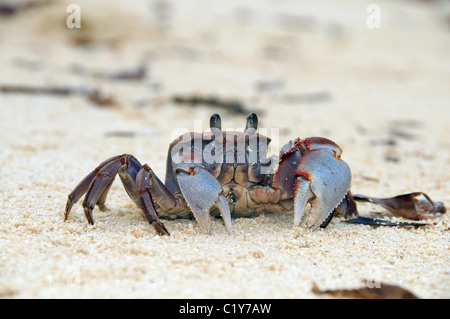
(202, 192)
(322, 179)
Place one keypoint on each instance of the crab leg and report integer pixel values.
(101, 181)
(139, 182)
(83, 186)
(102, 199)
(146, 201)
(323, 180)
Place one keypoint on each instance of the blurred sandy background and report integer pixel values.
(307, 68)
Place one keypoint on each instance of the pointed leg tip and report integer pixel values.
(88, 214)
(160, 228)
(68, 208)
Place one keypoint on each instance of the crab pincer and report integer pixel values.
(202, 192)
(322, 179)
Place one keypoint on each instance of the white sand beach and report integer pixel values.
(310, 68)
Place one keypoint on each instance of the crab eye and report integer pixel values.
(215, 123)
(252, 122)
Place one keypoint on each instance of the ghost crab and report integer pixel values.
(229, 173)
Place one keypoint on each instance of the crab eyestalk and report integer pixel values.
(215, 122)
(252, 122)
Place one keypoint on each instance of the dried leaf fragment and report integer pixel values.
(407, 205)
(385, 291)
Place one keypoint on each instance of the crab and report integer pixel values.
(229, 174)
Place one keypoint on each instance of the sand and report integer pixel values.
(308, 69)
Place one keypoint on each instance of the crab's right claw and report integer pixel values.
(202, 192)
(322, 179)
